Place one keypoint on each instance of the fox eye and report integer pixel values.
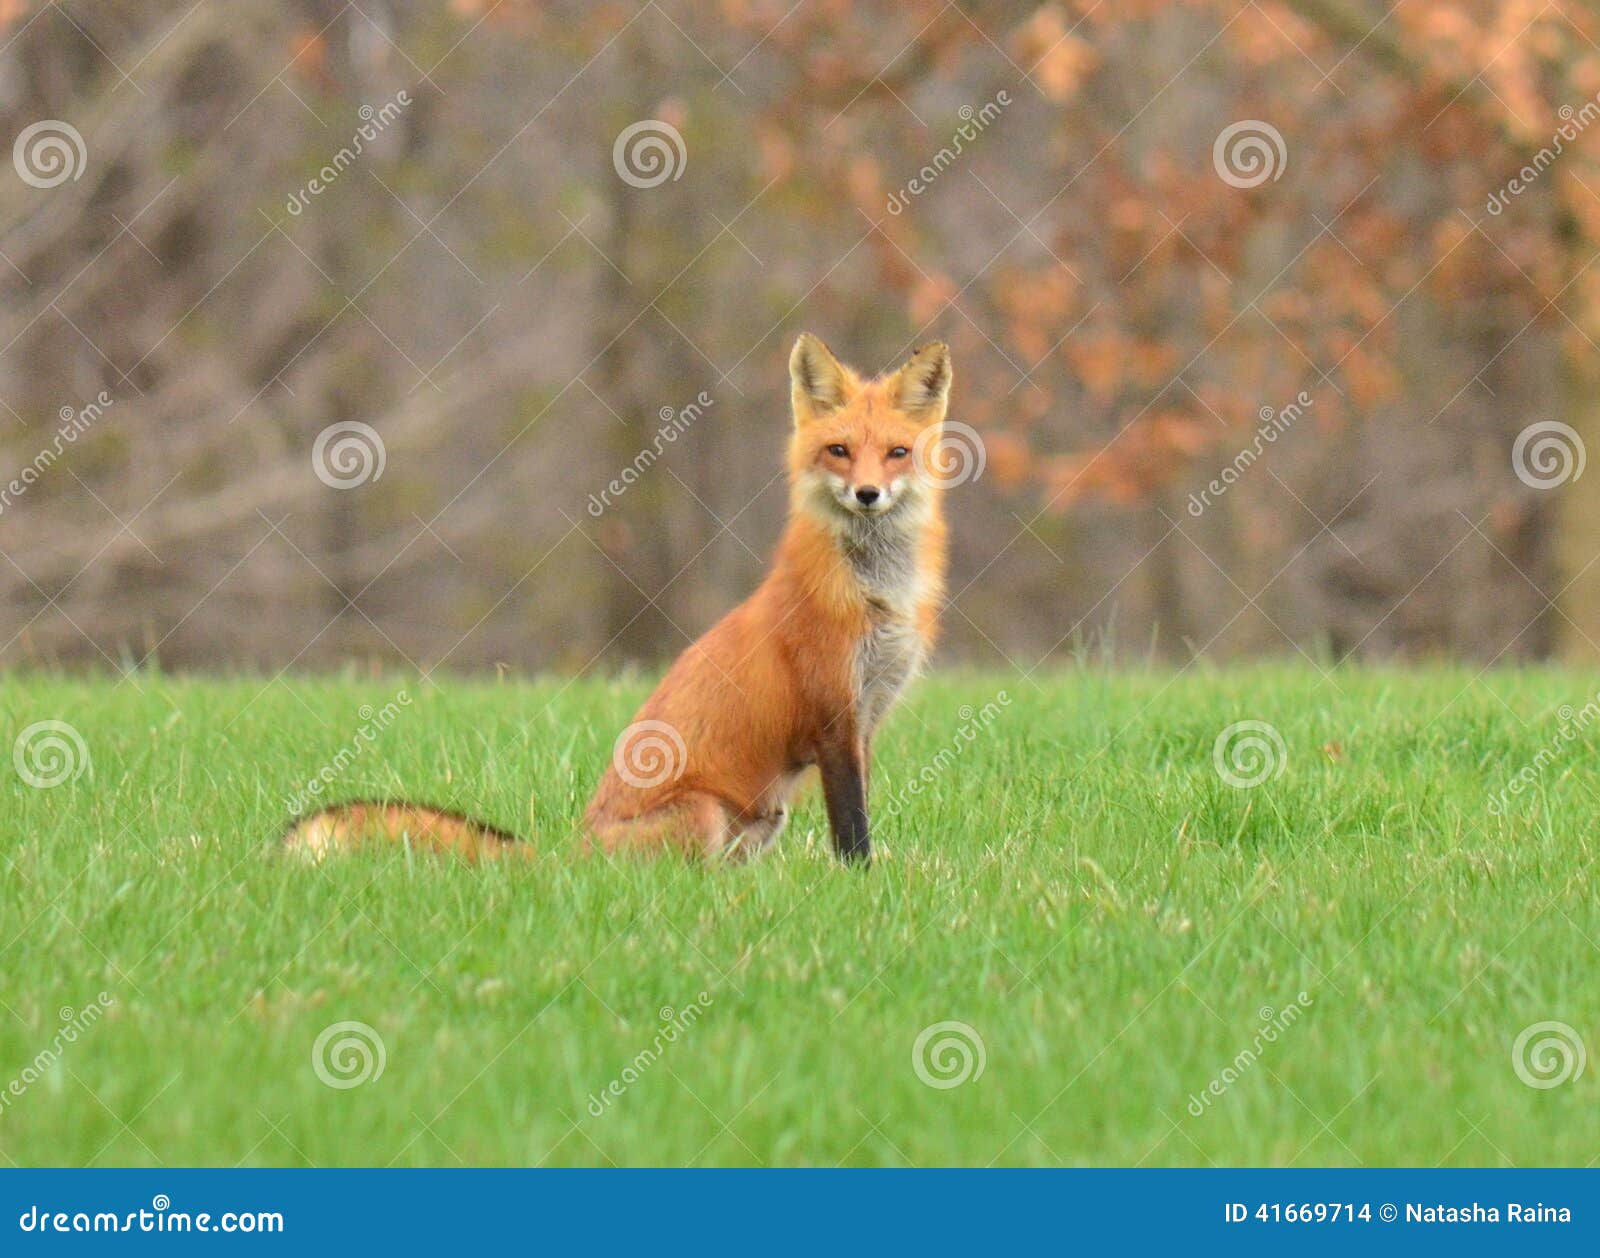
(839, 452)
(899, 452)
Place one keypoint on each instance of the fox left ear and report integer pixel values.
(922, 386)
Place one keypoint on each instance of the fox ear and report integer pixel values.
(922, 386)
(818, 382)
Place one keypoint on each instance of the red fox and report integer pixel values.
(799, 674)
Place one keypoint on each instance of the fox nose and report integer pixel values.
(866, 495)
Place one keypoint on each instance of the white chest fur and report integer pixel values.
(884, 560)
(888, 657)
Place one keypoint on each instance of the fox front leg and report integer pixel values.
(844, 790)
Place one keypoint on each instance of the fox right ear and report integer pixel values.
(818, 382)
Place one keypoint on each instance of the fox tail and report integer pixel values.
(345, 827)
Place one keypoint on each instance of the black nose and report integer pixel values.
(868, 494)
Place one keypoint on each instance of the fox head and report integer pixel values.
(859, 445)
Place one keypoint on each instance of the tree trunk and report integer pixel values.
(1577, 510)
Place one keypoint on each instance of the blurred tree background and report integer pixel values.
(1142, 226)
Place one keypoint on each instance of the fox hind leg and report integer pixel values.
(696, 824)
(752, 836)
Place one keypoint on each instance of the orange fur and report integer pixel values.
(797, 675)
(346, 826)
(757, 697)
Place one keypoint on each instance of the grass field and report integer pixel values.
(1124, 935)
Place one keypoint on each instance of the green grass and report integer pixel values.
(1076, 884)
